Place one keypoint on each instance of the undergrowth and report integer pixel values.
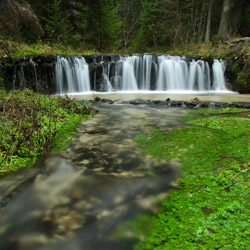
(29, 122)
(14, 49)
(211, 208)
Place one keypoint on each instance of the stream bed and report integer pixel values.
(78, 198)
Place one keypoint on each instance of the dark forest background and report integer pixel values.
(124, 25)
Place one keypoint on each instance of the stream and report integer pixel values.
(78, 198)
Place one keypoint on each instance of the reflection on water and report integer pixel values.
(79, 197)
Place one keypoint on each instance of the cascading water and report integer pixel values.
(218, 72)
(128, 76)
(173, 73)
(72, 75)
(139, 73)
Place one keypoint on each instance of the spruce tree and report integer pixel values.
(104, 26)
(57, 25)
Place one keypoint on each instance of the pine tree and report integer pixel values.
(57, 26)
(104, 25)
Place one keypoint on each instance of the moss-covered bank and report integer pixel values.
(210, 210)
(30, 122)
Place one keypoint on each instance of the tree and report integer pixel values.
(104, 25)
(57, 22)
(224, 22)
(78, 18)
(155, 20)
(208, 29)
(129, 11)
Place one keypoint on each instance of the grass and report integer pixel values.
(211, 208)
(14, 49)
(30, 122)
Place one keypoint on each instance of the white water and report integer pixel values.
(72, 75)
(140, 73)
(218, 72)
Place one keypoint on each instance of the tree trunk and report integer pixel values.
(208, 29)
(100, 33)
(224, 21)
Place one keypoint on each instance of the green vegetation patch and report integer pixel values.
(29, 122)
(15, 50)
(211, 208)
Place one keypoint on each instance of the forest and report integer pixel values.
(124, 26)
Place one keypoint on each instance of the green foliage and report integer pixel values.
(102, 25)
(221, 54)
(154, 25)
(207, 111)
(104, 28)
(242, 82)
(236, 68)
(138, 227)
(210, 210)
(29, 122)
(57, 26)
(216, 38)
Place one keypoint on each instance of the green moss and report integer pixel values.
(236, 68)
(29, 123)
(242, 82)
(15, 50)
(216, 38)
(210, 210)
(67, 132)
(221, 54)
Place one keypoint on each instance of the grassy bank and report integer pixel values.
(14, 49)
(30, 122)
(210, 210)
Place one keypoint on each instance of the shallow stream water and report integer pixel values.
(78, 198)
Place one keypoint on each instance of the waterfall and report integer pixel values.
(138, 73)
(72, 75)
(173, 73)
(34, 67)
(128, 75)
(218, 72)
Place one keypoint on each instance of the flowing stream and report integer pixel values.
(79, 198)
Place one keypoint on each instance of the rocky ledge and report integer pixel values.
(193, 103)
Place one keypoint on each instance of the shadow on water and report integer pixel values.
(83, 194)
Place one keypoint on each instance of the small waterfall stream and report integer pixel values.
(72, 75)
(139, 73)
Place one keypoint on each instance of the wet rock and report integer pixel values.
(97, 99)
(221, 105)
(195, 101)
(205, 105)
(107, 101)
(48, 225)
(125, 102)
(176, 104)
(135, 102)
(84, 162)
(81, 205)
(76, 194)
(103, 214)
(156, 102)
